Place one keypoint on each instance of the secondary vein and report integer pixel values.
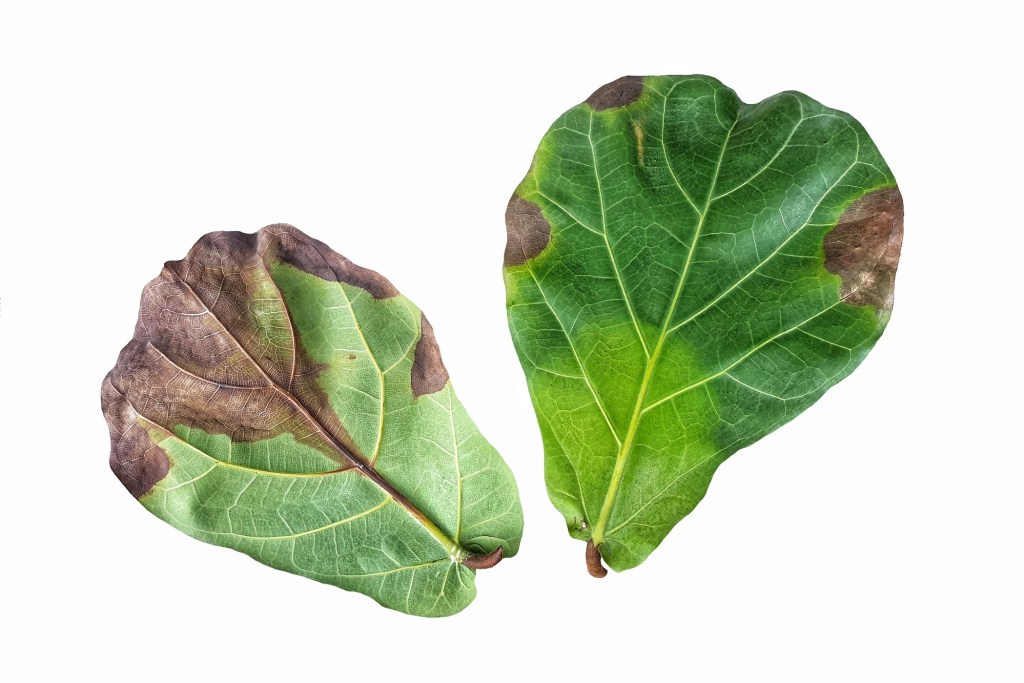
(579, 361)
(607, 243)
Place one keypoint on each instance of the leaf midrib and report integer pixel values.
(638, 410)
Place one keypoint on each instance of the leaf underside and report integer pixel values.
(282, 401)
(685, 273)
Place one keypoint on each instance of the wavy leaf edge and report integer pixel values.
(257, 373)
(641, 139)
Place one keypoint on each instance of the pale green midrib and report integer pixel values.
(458, 467)
(623, 455)
(453, 548)
(607, 243)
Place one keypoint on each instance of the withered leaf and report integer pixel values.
(282, 401)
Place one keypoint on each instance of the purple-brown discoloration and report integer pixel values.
(618, 93)
(428, 372)
(135, 459)
(864, 248)
(484, 561)
(528, 231)
(201, 357)
(316, 258)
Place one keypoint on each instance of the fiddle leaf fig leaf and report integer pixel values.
(685, 273)
(282, 401)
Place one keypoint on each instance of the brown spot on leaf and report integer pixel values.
(428, 372)
(484, 561)
(864, 248)
(316, 258)
(594, 565)
(618, 93)
(528, 231)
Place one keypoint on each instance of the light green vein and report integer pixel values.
(458, 470)
(579, 361)
(317, 530)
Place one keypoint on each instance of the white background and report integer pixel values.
(877, 537)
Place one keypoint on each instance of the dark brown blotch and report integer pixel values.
(864, 248)
(428, 372)
(484, 561)
(316, 258)
(594, 565)
(618, 93)
(528, 231)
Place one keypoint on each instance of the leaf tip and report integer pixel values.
(485, 561)
(594, 566)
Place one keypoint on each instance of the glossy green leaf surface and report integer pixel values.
(282, 401)
(685, 273)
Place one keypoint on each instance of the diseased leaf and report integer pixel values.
(282, 401)
(686, 273)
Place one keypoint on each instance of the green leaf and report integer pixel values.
(685, 273)
(282, 401)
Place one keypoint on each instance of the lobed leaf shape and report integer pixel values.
(685, 273)
(282, 401)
